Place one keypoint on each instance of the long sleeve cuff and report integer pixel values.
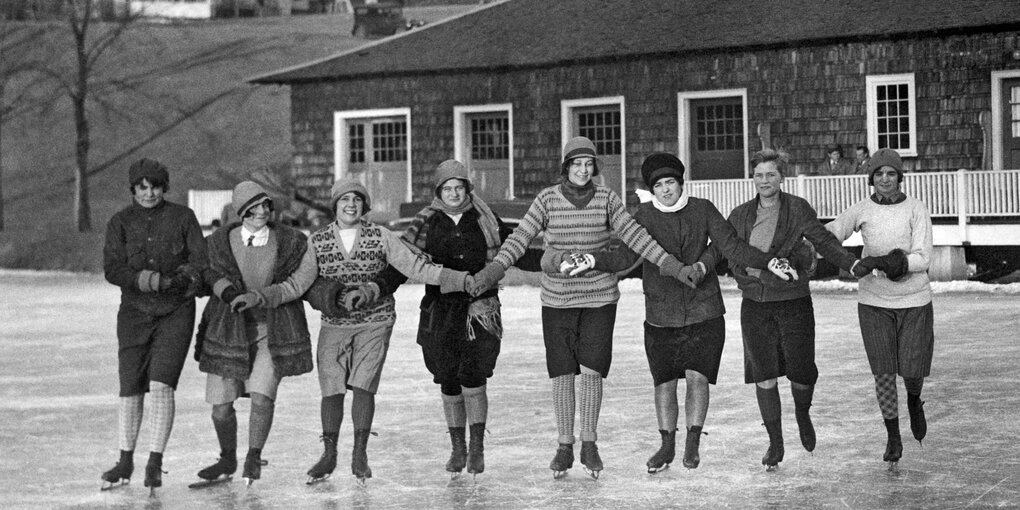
(148, 281)
(452, 281)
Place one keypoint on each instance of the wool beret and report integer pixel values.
(884, 157)
(659, 165)
(149, 169)
(246, 195)
(344, 186)
(451, 169)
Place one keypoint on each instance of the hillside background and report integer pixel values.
(192, 110)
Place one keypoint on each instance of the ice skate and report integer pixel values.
(775, 453)
(154, 472)
(458, 453)
(691, 457)
(326, 463)
(120, 474)
(806, 428)
(563, 460)
(667, 451)
(476, 451)
(893, 445)
(218, 473)
(590, 459)
(918, 424)
(359, 457)
(252, 467)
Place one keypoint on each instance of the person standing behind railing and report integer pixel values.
(776, 316)
(894, 308)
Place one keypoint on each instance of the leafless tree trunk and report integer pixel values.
(79, 93)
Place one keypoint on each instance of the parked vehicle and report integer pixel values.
(380, 18)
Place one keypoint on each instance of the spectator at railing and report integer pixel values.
(834, 163)
(863, 155)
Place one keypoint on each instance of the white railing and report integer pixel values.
(962, 194)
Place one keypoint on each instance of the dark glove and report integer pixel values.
(186, 280)
(691, 275)
(804, 258)
(229, 294)
(203, 325)
(894, 265)
(361, 296)
(863, 267)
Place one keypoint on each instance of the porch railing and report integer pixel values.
(963, 194)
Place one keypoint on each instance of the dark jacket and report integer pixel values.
(797, 220)
(685, 235)
(223, 335)
(160, 239)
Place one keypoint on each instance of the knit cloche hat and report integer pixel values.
(451, 169)
(884, 157)
(348, 185)
(246, 195)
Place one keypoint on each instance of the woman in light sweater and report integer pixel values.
(578, 313)
(894, 309)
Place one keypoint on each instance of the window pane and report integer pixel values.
(356, 142)
(389, 142)
(490, 137)
(603, 128)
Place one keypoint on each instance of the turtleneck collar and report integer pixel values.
(579, 196)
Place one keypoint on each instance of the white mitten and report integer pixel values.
(582, 263)
(782, 269)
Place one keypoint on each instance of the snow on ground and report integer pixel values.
(58, 418)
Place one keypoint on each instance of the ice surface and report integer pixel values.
(58, 418)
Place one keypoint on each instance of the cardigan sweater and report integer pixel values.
(885, 227)
(797, 220)
(584, 230)
(223, 335)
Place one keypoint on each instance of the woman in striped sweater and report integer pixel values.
(578, 313)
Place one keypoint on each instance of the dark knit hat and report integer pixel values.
(451, 169)
(659, 165)
(344, 186)
(151, 170)
(884, 157)
(246, 195)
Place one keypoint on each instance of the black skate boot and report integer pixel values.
(458, 454)
(894, 445)
(252, 466)
(563, 460)
(476, 451)
(359, 456)
(691, 457)
(666, 453)
(775, 453)
(807, 429)
(918, 424)
(590, 459)
(154, 472)
(121, 473)
(221, 471)
(327, 462)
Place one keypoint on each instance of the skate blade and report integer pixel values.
(894, 465)
(361, 481)
(152, 492)
(692, 464)
(454, 475)
(248, 482)
(559, 474)
(109, 486)
(313, 480)
(771, 468)
(652, 469)
(593, 473)
(201, 484)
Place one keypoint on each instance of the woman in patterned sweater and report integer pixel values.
(578, 313)
(352, 253)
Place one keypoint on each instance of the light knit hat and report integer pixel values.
(348, 185)
(884, 157)
(451, 169)
(247, 194)
(578, 147)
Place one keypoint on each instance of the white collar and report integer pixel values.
(261, 236)
(680, 204)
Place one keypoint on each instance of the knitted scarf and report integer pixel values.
(417, 235)
(579, 196)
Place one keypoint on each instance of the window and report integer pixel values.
(1014, 111)
(602, 127)
(389, 141)
(490, 137)
(892, 113)
(356, 143)
(719, 127)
